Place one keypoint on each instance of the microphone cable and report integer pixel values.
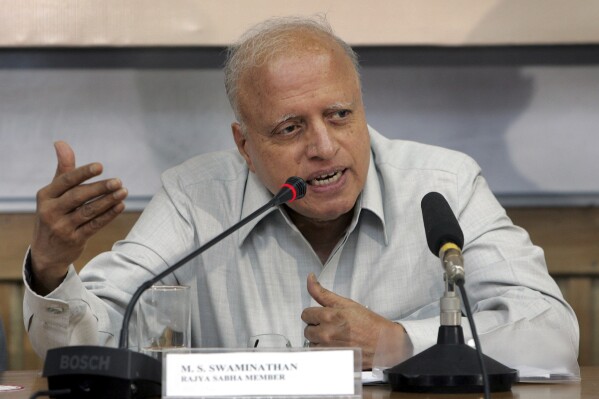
(479, 351)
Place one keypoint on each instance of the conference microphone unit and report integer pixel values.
(450, 366)
(103, 372)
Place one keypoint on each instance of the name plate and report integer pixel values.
(295, 373)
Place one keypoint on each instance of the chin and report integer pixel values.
(323, 210)
(330, 215)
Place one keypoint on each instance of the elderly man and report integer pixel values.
(345, 266)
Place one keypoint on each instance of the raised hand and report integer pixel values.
(68, 214)
(341, 322)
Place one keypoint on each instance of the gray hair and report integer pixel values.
(267, 40)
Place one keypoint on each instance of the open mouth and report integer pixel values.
(326, 179)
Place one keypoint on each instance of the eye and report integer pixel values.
(286, 129)
(341, 114)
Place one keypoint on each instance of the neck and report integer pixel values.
(323, 235)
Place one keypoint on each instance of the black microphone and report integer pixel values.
(443, 234)
(450, 366)
(294, 188)
(104, 372)
(440, 224)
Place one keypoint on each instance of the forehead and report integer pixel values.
(308, 68)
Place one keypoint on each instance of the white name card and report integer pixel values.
(262, 373)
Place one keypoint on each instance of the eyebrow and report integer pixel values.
(284, 118)
(287, 117)
(342, 105)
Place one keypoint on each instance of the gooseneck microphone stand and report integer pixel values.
(106, 373)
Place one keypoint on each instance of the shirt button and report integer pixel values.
(55, 309)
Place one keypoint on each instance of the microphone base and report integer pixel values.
(450, 366)
(102, 372)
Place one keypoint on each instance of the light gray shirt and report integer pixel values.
(254, 281)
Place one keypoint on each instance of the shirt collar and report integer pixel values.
(371, 198)
(256, 195)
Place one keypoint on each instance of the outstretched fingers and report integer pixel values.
(69, 211)
(67, 180)
(93, 225)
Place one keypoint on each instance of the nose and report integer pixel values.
(321, 142)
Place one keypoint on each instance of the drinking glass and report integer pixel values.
(164, 319)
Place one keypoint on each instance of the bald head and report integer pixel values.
(290, 37)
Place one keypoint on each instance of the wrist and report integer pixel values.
(393, 347)
(43, 278)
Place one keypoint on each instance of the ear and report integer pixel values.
(242, 142)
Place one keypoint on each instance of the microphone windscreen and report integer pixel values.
(299, 185)
(440, 224)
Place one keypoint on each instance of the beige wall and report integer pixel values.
(218, 22)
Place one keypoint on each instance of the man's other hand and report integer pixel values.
(68, 214)
(341, 322)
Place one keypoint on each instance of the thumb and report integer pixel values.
(65, 157)
(323, 296)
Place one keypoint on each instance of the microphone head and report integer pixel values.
(293, 189)
(298, 186)
(440, 224)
